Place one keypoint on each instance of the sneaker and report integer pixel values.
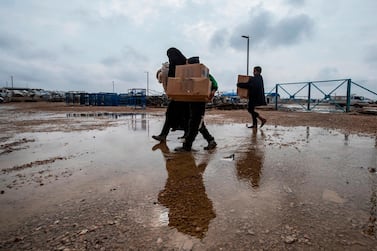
(211, 145)
(251, 126)
(182, 149)
(159, 137)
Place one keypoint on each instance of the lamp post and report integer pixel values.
(247, 67)
(113, 87)
(147, 72)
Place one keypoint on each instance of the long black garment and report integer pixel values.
(177, 111)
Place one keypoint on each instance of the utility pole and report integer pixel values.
(147, 72)
(11, 80)
(247, 67)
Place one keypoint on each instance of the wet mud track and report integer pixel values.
(90, 182)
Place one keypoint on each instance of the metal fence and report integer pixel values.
(336, 94)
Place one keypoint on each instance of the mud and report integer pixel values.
(75, 179)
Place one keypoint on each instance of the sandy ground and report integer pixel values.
(72, 223)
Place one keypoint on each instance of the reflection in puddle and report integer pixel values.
(137, 120)
(250, 162)
(164, 218)
(114, 115)
(190, 209)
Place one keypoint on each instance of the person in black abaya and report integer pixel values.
(177, 112)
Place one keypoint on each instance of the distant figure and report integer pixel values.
(256, 96)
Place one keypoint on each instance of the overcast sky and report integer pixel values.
(82, 45)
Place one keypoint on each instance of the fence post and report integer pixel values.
(309, 94)
(276, 97)
(348, 95)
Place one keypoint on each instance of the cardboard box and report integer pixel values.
(191, 70)
(189, 89)
(242, 92)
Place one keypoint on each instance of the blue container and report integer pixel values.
(93, 99)
(110, 99)
(100, 99)
(123, 99)
(84, 99)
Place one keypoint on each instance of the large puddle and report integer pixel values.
(298, 183)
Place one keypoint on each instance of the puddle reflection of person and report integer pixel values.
(190, 209)
(250, 162)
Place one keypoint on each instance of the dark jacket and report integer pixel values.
(256, 90)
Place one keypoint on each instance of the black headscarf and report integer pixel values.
(175, 58)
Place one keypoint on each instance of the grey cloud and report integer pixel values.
(291, 30)
(110, 61)
(257, 28)
(9, 42)
(40, 54)
(68, 49)
(132, 54)
(328, 73)
(371, 55)
(128, 56)
(77, 76)
(266, 31)
(23, 73)
(132, 75)
(20, 48)
(296, 3)
(128, 65)
(218, 39)
(29, 75)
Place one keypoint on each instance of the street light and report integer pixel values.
(247, 66)
(147, 72)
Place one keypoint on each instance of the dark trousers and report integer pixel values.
(254, 114)
(196, 124)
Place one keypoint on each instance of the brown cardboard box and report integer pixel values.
(191, 70)
(189, 89)
(242, 92)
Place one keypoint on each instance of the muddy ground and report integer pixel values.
(62, 189)
(352, 122)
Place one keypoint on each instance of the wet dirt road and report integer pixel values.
(112, 187)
